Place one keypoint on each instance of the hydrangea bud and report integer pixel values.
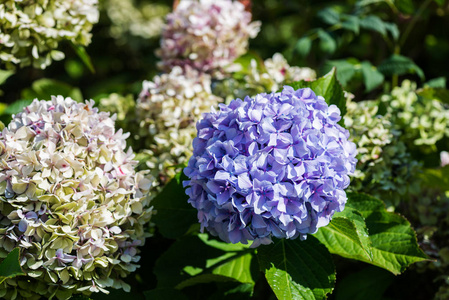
(70, 199)
(167, 110)
(206, 35)
(273, 165)
(30, 31)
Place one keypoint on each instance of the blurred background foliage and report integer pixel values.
(375, 45)
(370, 41)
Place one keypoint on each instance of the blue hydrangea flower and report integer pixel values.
(273, 165)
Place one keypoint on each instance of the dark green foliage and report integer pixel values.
(174, 215)
(10, 266)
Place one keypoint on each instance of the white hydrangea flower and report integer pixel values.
(266, 77)
(277, 73)
(128, 17)
(206, 35)
(167, 109)
(31, 30)
(281, 72)
(70, 199)
(444, 157)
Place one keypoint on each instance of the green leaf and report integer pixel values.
(298, 269)
(204, 278)
(405, 6)
(343, 237)
(16, 107)
(351, 23)
(368, 284)
(345, 70)
(4, 75)
(399, 65)
(393, 29)
(189, 261)
(328, 87)
(374, 23)
(174, 214)
(187, 256)
(327, 42)
(329, 16)
(213, 242)
(164, 294)
(394, 244)
(74, 68)
(435, 178)
(3, 107)
(440, 94)
(13, 109)
(303, 46)
(440, 2)
(238, 268)
(371, 77)
(82, 54)
(10, 266)
(439, 82)
(44, 88)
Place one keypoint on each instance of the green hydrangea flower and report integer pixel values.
(131, 18)
(385, 168)
(167, 110)
(423, 121)
(70, 199)
(30, 31)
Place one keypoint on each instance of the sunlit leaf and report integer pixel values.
(298, 269)
(4, 75)
(328, 87)
(394, 243)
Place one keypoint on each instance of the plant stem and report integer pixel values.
(413, 21)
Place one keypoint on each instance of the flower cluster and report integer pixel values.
(268, 77)
(385, 169)
(167, 110)
(206, 35)
(422, 120)
(31, 30)
(122, 106)
(273, 165)
(70, 199)
(134, 19)
(277, 73)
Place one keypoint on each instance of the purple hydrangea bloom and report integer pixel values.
(273, 165)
